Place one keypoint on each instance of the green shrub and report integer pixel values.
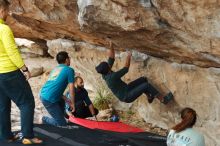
(103, 98)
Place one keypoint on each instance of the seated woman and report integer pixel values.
(183, 134)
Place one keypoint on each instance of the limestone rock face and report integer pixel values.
(192, 86)
(178, 31)
(32, 49)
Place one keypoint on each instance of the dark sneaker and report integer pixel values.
(167, 98)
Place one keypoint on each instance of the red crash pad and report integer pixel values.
(109, 126)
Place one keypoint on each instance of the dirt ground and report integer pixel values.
(135, 120)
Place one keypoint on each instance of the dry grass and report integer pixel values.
(103, 98)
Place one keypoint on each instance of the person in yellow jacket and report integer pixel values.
(14, 85)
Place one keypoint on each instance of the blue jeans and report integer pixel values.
(13, 86)
(138, 87)
(56, 110)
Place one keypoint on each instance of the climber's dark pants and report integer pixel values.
(138, 87)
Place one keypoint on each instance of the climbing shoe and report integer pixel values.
(166, 99)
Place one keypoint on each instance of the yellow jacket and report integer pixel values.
(10, 58)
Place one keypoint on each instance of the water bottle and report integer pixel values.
(114, 118)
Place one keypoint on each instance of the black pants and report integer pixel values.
(14, 87)
(84, 112)
(138, 87)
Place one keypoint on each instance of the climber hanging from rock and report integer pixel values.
(131, 91)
